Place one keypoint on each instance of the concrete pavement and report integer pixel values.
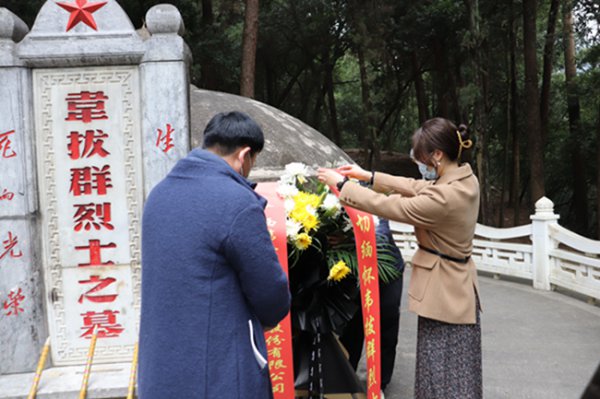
(536, 344)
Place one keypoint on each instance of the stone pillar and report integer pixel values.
(22, 319)
(165, 86)
(544, 217)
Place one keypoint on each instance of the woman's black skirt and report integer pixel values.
(448, 360)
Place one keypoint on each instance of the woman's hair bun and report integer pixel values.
(464, 131)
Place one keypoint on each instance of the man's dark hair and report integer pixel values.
(228, 131)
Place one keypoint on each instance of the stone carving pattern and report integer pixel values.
(491, 254)
(574, 260)
(572, 269)
(48, 81)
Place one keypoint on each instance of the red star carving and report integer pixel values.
(81, 11)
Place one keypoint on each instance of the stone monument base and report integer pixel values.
(107, 381)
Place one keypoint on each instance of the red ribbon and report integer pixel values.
(279, 342)
(366, 252)
(279, 339)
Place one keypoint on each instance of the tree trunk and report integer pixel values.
(461, 83)
(512, 128)
(207, 12)
(480, 107)
(328, 89)
(269, 82)
(208, 74)
(507, 137)
(250, 39)
(306, 95)
(441, 79)
(536, 152)
(598, 174)
(453, 94)
(547, 74)
(288, 88)
(335, 130)
(579, 202)
(372, 143)
(419, 89)
(319, 102)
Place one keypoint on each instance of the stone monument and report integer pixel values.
(93, 115)
(79, 151)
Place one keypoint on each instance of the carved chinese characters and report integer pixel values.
(164, 139)
(91, 221)
(86, 183)
(11, 304)
(6, 151)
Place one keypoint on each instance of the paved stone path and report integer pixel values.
(536, 344)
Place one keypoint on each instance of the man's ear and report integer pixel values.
(243, 152)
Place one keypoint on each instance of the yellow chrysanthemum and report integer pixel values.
(303, 241)
(310, 222)
(298, 214)
(338, 271)
(304, 199)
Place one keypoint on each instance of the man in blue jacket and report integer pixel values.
(211, 281)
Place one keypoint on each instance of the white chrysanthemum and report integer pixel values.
(311, 210)
(330, 203)
(292, 228)
(287, 180)
(289, 204)
(296, 169)
(287, 190)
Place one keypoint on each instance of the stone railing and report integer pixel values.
(544, 252)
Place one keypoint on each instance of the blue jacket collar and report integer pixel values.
(217, 163)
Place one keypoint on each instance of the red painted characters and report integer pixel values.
(89, 180)
(9, 247)
(13, 304)
(5, 145)
(164, 140)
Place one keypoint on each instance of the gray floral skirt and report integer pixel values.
(448, 360)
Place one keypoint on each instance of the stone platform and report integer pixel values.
(107, 381)
(536, 345)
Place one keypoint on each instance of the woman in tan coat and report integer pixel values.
(443, 289)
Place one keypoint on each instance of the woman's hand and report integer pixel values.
(329, 176)
(355, 172)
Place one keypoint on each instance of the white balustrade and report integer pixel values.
(544, 252)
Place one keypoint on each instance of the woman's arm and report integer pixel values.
(408, 187)
(424, 210)
(381, 182)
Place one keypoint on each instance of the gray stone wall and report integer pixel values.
(22, 317)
